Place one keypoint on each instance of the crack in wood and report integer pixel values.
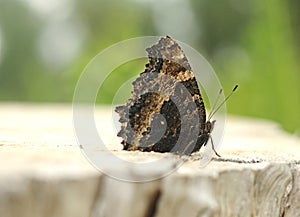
(238, 160)
(289, 189)
(96, 197)
(154, 204)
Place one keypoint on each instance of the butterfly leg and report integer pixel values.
(213, 147)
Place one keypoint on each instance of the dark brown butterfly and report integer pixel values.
(166, 112)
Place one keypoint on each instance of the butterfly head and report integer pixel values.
(209, 126)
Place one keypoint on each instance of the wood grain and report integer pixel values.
(44, 173)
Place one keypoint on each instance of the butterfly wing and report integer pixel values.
(152, 119)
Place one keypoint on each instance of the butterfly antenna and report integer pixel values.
(215, 111)
(215, 104)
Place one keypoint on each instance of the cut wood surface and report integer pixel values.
(44, 172)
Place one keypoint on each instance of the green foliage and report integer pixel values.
(253, 43)
(116, 94)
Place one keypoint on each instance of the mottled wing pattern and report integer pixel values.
(154, 95)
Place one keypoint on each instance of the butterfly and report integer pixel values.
(166, 112)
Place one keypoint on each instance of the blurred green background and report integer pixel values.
(45, 45)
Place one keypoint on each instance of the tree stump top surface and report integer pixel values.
(33, 135)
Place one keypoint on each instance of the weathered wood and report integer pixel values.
(44, 173)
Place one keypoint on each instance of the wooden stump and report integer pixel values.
(44, 173)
